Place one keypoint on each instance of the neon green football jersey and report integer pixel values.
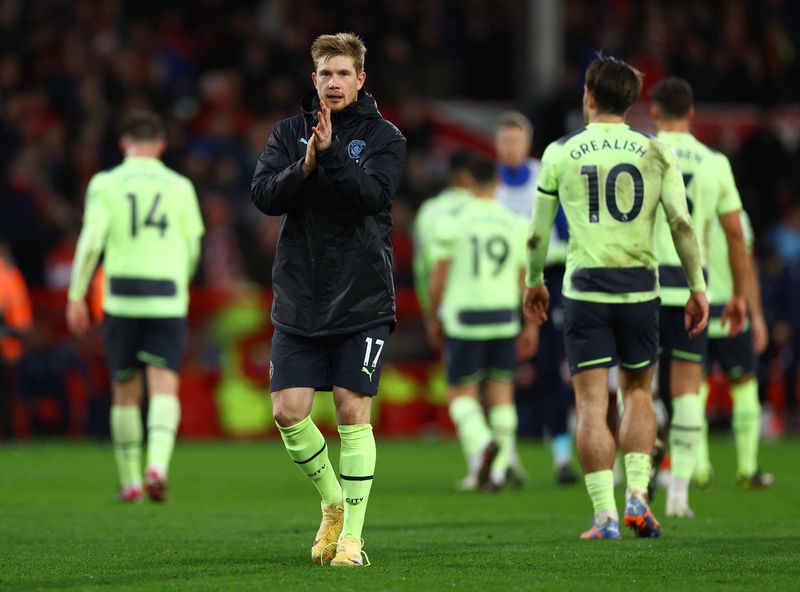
(485, 244)
(710, 193)
(425, 223)
(146, 220)
(610, 181)
(720, 278)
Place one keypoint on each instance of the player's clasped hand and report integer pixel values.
(695, 317)
(535, 303)
(310, 163)
(323, 131)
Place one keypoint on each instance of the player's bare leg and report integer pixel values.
(474, 434)
(126, 434)
(291, 409)
(163, 418)
(357, 469)
(503, 422)
(684, 434)
(596, 447)
(637, 433)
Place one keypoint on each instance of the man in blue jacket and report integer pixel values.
(332, 173)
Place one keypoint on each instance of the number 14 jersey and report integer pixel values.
(610, 181)
(146, 220)
(485, 244)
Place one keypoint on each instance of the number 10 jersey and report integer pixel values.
(610, 181)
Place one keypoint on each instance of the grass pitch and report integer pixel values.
(242, 518)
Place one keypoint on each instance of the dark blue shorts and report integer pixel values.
(673, 339)
(350, 361)
(132, 342)
(735, 354)
(470, 361)
(601, 335)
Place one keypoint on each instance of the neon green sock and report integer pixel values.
(163, 417)
(600, 486)
(703, 467)
(746, 426)
(307, 448)
(637, 473)
(126, 434)
(684, 434)
(357, 468)
(503, 419)
(473, 431)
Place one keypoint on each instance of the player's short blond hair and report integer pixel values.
(340, 44)
(515, 119)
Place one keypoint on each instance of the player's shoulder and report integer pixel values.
(289, 126)
(100, 179)
(387, 129)
(572, 136)
(178, 178)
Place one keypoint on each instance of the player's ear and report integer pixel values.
(691, 112)
(655, 111)
(314, 78)
(124, 142)
(362, 76)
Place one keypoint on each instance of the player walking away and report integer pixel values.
(444, 204)
(517, 191)
(710, 193)
(146, 221)
(332, 173)
(15, 320)
(611, 180)
(480, 258)
(737, 357)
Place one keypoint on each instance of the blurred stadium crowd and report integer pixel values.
(223, 73)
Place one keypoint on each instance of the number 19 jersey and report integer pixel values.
(485, 244)
(610, 181)
(144, 216)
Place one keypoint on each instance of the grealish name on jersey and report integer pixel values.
(597, 146)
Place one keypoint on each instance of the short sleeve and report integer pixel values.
(729, 201)
(443, 236)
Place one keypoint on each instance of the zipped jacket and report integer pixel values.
(332, 273)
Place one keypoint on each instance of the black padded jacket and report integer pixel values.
(332, 273)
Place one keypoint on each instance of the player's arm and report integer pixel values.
(193, 228)
(673, 200)
(735, 311)
(437, 283)
(536, 298)
(730, 215)
(90, 245)
(419, 264)
(528, 339)
(544, 214)
(278, 180)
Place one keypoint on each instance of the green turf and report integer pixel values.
(242, 518)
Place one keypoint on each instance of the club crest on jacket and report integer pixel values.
(355, 148)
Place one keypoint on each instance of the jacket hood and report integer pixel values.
(363, 108)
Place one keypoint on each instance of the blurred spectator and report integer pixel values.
(15, 320)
